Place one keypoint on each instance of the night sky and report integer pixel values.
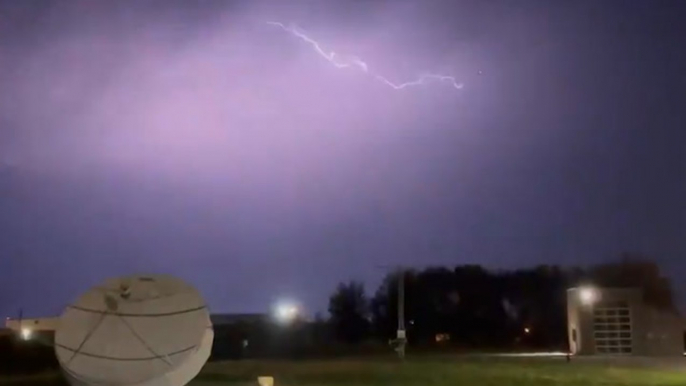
(193, 138)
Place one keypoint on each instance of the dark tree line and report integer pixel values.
(350, 306)
(470, 306)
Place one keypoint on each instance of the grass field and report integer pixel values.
(419, 372)
(439, 371)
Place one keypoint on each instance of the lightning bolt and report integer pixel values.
(341, 61)
(423, 79)
(334, 58)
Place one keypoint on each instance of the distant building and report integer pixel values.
(41, 324)
(50, 324)
(225, 319)
(616, 321)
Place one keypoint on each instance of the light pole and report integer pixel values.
(400, 340)
(401, 335)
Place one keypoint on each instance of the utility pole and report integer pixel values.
(402, 336)
(401, 301)
(400, 340)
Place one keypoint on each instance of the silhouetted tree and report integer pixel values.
(349, 310)
(536, 302)
(525, 307)
(640, 272)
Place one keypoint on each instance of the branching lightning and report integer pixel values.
(341, 61)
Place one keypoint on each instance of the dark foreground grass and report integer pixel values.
(436, 371)
(43, 379)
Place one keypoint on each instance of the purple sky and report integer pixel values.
(192, 138)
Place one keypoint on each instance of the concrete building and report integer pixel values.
(616, 321)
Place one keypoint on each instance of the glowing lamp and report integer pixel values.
(26, 333)
(588, 295)
(286, 312)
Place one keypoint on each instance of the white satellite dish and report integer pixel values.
(135, 331)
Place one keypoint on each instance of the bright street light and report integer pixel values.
(588, 295)
(25, 333)
(286, 312)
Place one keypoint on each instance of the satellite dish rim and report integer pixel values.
(112, 331)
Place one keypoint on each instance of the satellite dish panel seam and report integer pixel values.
(85, 339)
(139, 315)
(165, 358)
